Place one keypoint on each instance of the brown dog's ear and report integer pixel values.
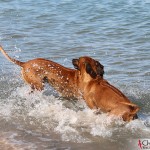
(75, 63)
(90, 71)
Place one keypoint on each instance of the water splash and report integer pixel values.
(65, 117)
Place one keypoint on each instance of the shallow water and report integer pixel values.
(115, 33)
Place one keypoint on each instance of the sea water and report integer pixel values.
(116, 33)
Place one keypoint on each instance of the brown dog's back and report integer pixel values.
(102, 95)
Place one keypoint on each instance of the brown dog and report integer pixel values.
(99, 94)
(67, 82)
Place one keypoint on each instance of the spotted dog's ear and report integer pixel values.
(75, 63)
(90, 71)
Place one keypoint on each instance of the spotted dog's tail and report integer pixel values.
(19, 63)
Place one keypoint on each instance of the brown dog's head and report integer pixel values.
(89, 65)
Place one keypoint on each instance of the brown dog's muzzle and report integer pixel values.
(75, 62)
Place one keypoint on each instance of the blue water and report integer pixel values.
(116, 33)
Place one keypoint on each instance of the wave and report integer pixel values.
(71, 119)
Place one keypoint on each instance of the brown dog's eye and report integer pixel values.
(97, 63)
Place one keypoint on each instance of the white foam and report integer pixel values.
(66, 117)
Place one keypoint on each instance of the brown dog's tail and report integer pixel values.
(19, 63)
(134, 107)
